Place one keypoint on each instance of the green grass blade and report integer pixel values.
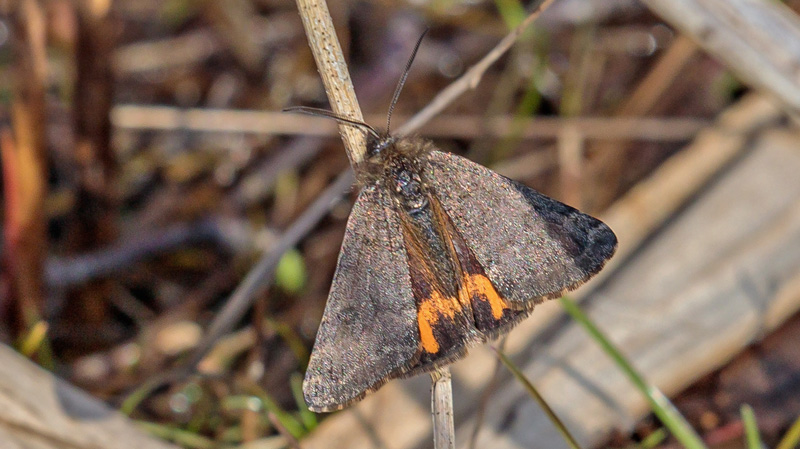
(36, 345)
(651, 441)
(184, 438)
(654, 439)
(752, 437)
(660, 404)
(293, 425)
(535, 395)
(296, 344)
(792, 437)
(136, 397)
(308, 418)
(512, 11)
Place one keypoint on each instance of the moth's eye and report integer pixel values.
(402, 180)
(374, 146)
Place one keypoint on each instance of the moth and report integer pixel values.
(439, 254)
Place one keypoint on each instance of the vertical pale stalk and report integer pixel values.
(442, 409)
(333, 70)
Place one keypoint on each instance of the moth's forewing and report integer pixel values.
(369, 328)
(530, 246)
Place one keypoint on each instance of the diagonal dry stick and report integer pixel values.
(472, 77)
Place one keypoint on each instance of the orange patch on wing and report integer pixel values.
(478, 286)
(428, 314)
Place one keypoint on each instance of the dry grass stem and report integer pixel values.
(25, 166)
(570, 158)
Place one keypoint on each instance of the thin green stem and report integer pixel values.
(752, 436)
(654, 439)
(792, 437)
(184, 438)
(535, 395)
(660, 404)
(307, 417)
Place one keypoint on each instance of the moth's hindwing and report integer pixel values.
(369, 329)
(530, 246)
(492, 313)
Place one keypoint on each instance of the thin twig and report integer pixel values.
(442, 409)
(170, 118)
(260, 276)
(486, 395)
(65, 272)
(473, 76)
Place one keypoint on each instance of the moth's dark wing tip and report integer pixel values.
(587, 240)
(601, 244)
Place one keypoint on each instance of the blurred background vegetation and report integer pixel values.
(147, 168)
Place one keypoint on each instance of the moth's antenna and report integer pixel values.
(403, 81)
(330, 114)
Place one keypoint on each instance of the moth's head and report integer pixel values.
(379, 148)
(378, 144)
